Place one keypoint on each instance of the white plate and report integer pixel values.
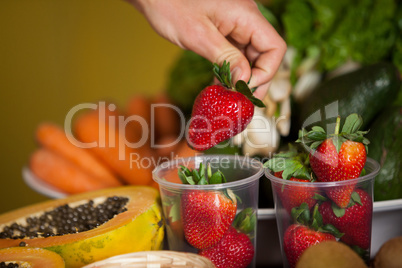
(40, 186)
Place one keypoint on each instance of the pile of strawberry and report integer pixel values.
(211, 221)
(338, 213)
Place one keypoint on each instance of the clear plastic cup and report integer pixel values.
(354, 224)
(188, 228)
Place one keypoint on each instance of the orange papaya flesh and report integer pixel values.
(138, 228)
(31, 257)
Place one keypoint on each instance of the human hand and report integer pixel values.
(231, 30)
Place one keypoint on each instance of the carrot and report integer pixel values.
(140, 106)
(167, 119)
(166, 146)
(61, 173)
(55, 139)
(154, 184)
(183, 151)
(133, 165)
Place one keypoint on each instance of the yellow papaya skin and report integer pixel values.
(140, 228)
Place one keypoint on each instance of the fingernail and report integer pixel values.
(236, 74)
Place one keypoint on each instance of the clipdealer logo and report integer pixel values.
(112, 131)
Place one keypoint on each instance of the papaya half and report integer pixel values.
(31, 257)
(385, 137)
(81, 228)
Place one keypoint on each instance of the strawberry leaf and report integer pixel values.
(316, 135)
(352, 123)
(339, 212)
(317, 221)
(182, 177)
(245, 221)
(216, 178)
(291, 169)
(315, 145)
(356, 198)
(363, 253)
(275, 164)
(303, 173)
(329, 228)
(223, 74)
(337, 143)
(196, 176)
(301, 214)
(190, 180)
(293, 164)
(320, 197)
(317, 129)
(226, 193)
(243, 88)
(183, 173)
(312, 138)
(202, 181)
(174, 212)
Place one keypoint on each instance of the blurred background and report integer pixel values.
(57, 54)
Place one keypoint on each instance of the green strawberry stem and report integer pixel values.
(337, 125)
(350, 131)
(224, 76)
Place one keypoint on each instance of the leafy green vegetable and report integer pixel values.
(397, 51)
(269, 16)
(363, 30)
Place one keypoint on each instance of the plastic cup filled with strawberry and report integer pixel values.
(210, 205)
(323, 190)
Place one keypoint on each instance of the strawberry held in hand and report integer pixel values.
(206, 214)
(234, 250)
(221, 111)
(339, 157)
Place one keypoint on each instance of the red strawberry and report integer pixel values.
(338, 158)
(294, 166)
(234, 250)
(306, 232)
(294, 196)
(353, 221)
(298, 238)
(206, 215)
(220, 111)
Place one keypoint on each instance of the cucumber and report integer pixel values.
(365, 91)
(386, 147)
